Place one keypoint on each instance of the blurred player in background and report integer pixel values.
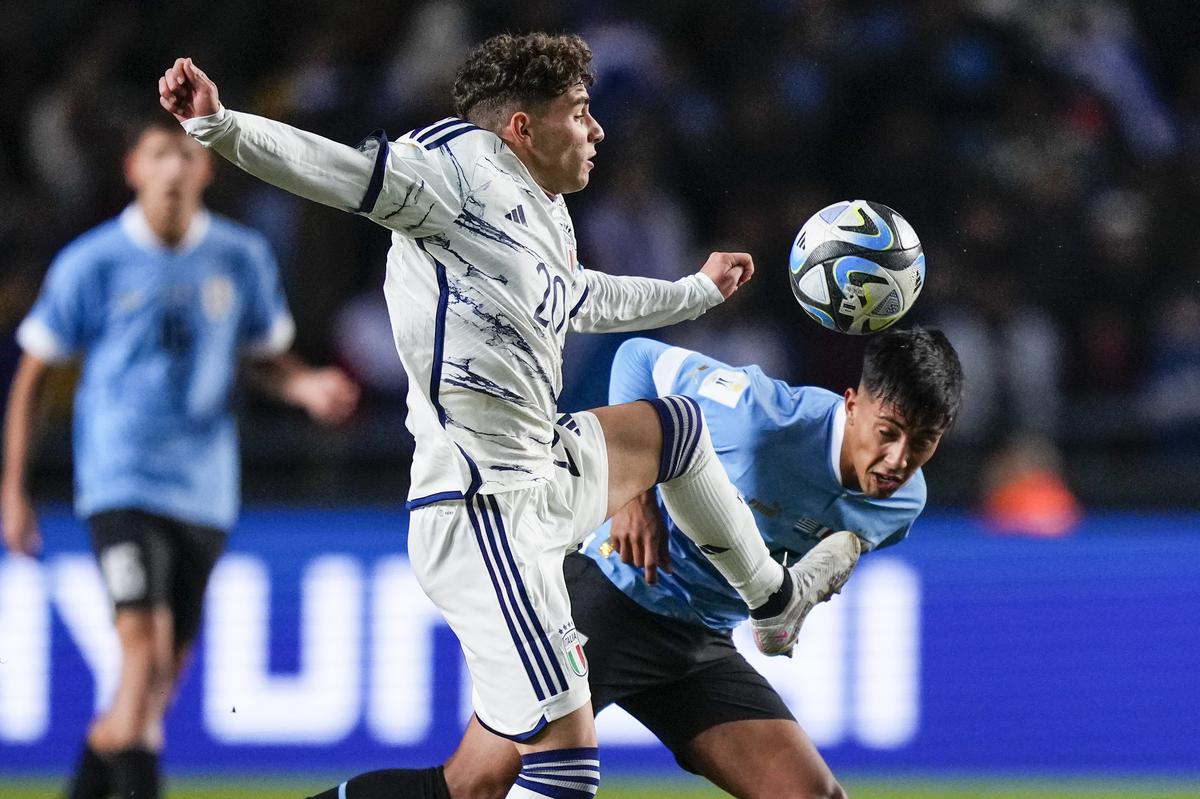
(483, 284)
(809, 463)
(162, 304)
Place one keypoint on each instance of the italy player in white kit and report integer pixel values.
(813, 465)
(483, 283)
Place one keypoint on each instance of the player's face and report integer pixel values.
(563, 139)
(880, 450)
(167, 168)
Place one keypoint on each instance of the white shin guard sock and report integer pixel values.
(706, 507)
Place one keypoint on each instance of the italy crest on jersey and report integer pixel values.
(572, 649)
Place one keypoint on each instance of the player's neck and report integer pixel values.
(527, 160)
(846, 472)
(531, 169)
(168, 221)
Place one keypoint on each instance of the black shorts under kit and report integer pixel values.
(151, 561)
(678, 679)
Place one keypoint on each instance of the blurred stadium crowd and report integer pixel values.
(1046, 151)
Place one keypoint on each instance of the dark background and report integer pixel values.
(1046, 152)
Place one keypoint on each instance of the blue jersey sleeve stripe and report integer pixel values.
(371, 196)
(425, 134)
(450, 136)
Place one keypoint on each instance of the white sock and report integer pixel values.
(706, 506)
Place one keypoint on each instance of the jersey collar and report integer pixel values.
(133, 222)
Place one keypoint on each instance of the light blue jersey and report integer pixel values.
(160, 331)
(780, 446)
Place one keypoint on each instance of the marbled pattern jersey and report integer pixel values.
(483, 283)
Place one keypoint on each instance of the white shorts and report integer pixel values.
(493, 565)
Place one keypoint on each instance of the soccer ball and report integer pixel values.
(856, 267)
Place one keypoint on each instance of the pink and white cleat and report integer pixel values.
(816, 577)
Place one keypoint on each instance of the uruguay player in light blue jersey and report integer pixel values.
(162, 304)
(786, 449)
(813, 466)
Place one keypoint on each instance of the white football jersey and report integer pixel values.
(482, 285)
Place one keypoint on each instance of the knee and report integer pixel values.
(830, 789)
(838, 791)
(478, 783)
(145, 659)
(138, 655)
(827, 788)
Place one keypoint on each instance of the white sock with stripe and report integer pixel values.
(706, 505)
(558, 773)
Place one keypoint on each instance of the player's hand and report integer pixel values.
(639, 536)
(328, 394)
(729, 270)
(187, 92)
(20, 523)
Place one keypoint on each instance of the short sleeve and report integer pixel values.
(645, 368)
(267, 326)
(67, 311)
(415, 190)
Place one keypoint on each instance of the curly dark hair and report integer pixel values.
(527, 70)
(918, 371)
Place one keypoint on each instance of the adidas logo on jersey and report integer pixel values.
(517, 215)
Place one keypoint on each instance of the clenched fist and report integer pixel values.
(187, 92)
(729, 270)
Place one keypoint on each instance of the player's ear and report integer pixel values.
(516, 130)
(851, 396)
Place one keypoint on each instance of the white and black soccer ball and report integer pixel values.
(856, 267)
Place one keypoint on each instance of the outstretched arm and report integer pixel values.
(622, 303)
(403, 185)
(17, 515)
(294, 160)
(327, 394)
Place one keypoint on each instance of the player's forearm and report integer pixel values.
(276, 377)
(302, 163)
(620, 303)
(327, 394)
(19, 426)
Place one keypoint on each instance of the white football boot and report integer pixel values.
(816, 577)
